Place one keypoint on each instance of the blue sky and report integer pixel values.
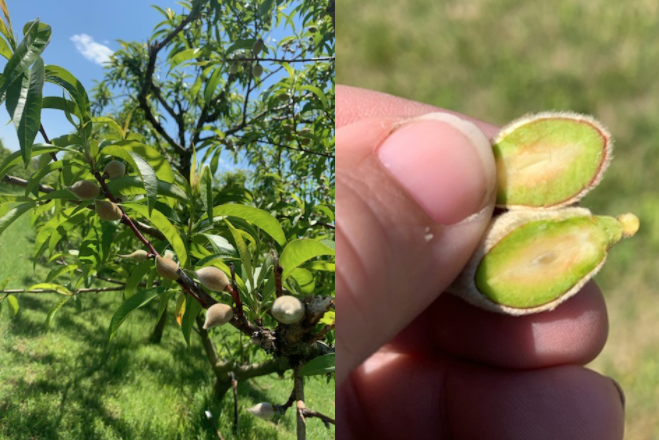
(84, 32)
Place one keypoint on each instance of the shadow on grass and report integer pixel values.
(67, 376)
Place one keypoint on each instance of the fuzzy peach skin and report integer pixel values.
(416, 363)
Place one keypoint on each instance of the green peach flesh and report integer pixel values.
(549, 160)
(539, 262)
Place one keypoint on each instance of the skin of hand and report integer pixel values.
(415, 194)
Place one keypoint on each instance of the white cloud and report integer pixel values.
(92, 50)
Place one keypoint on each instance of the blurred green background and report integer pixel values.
(496, 61)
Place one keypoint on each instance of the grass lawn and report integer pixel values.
(498, 60)
(61, 384)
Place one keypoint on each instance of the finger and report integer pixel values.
(414, 199)
(396, 395)
(573, 333)
(354, 104)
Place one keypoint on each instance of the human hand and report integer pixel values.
(414, 198)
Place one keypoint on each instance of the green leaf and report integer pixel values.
(165, 226)
(64, 227)
(131, 304)
(321, 265)
(53, 310)
(5, 12)
(191, 311)
(243, 251)
(184, 56)
(24, 106)
(164, 302)
(5, 50)
(60, 271)
(207, 191)
(304, 280)
(220, 244)
(11, 216)
(258, 217)
(133, 185)
(299, 251)
(36, 177)
(15, 157)
(45, 231)
(59, 103)
(264, 10)
(240, 44)
(52, 286)
(139, 164)
(136, 276)
(13, 304)
(321, 365)
(211, 86)
(35, 41)
(179, 310)
(328, 318)
(63, 78)
(111, 123)
(319, 93)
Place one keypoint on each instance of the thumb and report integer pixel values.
(415, 197)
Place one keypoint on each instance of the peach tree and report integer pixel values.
(132, 200)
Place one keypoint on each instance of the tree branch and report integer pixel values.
(148, 80)
(13, 180)
(323, 332)
(292, 60)
(90, 290)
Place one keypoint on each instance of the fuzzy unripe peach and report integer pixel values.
(288, 309)
(138, 255)
(212, 278)
(114, 169)
(107, 210)
(85, 189)
(257, 71)
(263, 410)
(218, 314)
(167, 268)
(258, 46)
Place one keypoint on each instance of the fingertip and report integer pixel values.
(573, 333)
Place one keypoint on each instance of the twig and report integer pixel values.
(209, 416)
(279, 290)
(292, 60)
(323, 332)
(148, 81)
(13, 180)
(90, 290)
(306, 413)
(234, 385)
(235, 294)
(45, 138)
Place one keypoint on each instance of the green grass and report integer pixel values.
(497, 60)
(60, 383)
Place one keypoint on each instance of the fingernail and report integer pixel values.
(444, 163)
(623, 399)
